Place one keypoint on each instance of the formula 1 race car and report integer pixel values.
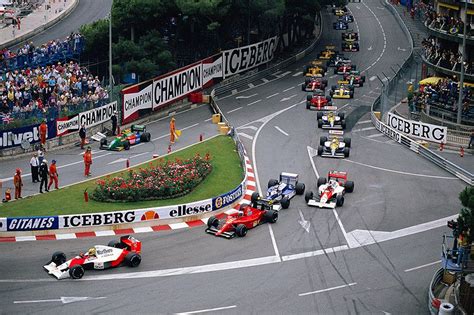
(328, 53)
(347, 18)
(340, 25)
(129, 137)
(126, 251)
(331, 120)
(314, 84)
(344, 68)
(281, 191)
(339, 11)
(353, 79)
(343, 91)
(350, 36)
(319, 101)
(315, 71)
(338, 60)
(238, 223)
(319, 62)
(350, 46)
(335, 145)
(331, 191)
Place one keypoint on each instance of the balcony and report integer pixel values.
(454, 37)
(448, 72)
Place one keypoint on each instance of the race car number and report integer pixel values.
(99, 265)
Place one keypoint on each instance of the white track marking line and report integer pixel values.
(384, 38)
(328, 289)
(312, 152)
(372, 78)
(343, 106)
(290, 88)
(281, 130)
(209, 119)
(275, 74)
(246, 96)
(363, 129)
(298, 74)
(315, 253)
(167, 135)
(242, 134)
(137, 155)
(398, 172)
(423, 266)
(284, 74)
(234, 110)
(255, 102)
(349, 241)
(376, 135)
(364, 121)
(274, 243)
(265, 80)
(209, 310)
(287, 98)
(273, 95)
(248, 127)
(251, 85)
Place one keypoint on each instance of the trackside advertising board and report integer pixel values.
(14, 137)
(228, 198)
(247, 57)
(89, 118)
(32, 223)
(417, 129)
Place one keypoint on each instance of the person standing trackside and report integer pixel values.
(34, 163)
(43, 130)
(172, 130)
(114, 123)
(82, 135)
(53, 175)
(471, 141)
(18, 183)
(87, 162)
(40, 155)
(43, 172)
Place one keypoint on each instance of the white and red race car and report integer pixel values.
(126, 251)
(331, 191)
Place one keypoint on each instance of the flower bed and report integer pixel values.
(164, 181)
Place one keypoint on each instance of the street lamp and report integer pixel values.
(463, 58)
(111, 78)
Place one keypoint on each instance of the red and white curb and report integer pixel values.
(249, 189)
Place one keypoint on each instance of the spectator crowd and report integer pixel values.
(49, 89)
(450, 24)
(443, 57)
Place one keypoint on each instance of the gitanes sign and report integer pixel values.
(247, 57)
(417, 129)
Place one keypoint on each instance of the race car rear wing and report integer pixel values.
(336, 132)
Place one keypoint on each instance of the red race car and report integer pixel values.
(344, 68)
(313, 84)
(241, 221)
(319, 101)
(126, 251)
(331, 191)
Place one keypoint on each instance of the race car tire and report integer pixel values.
(145, 137)
(335, 70)
(343, 125)
(320, 150)
(320, 123)
(322, 140)
(346, 152)
(212, 222)
(363, 78)
(114, 243)
(354, 67)
(285, 202)
(133, 259)
(328, 98)
(255, 196)
(331, 93)
(339, 200)
(306, 81)
(325, 82)
(76, 272)
(333, 88)
(303, 87)
(299, 188)
(241, 230)
(308, 196)
(349, 186)
(361, 84)
(309, 97)
(271, 216)
(322, 181)
(319, 115)
(351, 94)
(347, 141)
(308, 104)
(306, 69)
(58, 258)
(103, 142)
(272, 182)
(126, 145)
(341, 115)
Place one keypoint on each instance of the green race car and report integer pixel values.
(136, 134)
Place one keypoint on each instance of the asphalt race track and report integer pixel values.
(376, 254)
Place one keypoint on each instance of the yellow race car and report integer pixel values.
(343, 91)
(315, 71)
(339, 11)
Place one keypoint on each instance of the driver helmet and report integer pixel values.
(91, 251)
(332, 183)
(335, 140)
(331, 114)
(241, 213)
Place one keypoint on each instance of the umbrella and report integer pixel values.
(431, 80)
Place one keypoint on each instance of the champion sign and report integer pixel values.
(247, 57)
(63, 125)
(418, 129)
(176, 85)
(97, 115)
(135, 101)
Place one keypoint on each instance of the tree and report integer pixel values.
(466, 216)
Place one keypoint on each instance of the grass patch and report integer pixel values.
(226, 175)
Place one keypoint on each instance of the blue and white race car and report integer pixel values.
(340, 25)
(280, 192)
